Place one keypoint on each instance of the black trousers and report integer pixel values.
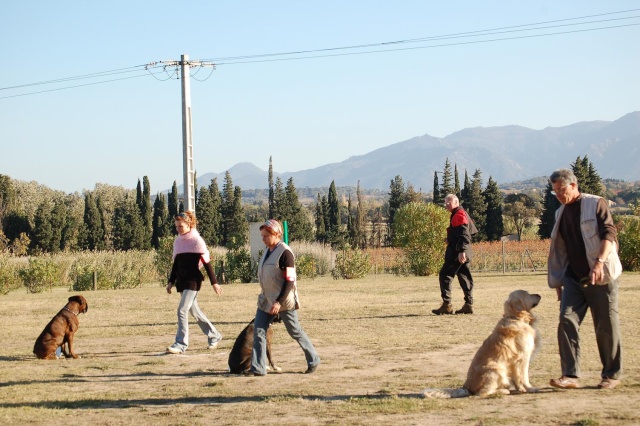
(451, 269)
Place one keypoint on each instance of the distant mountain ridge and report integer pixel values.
(506, 153)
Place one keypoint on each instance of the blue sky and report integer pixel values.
(304, 112)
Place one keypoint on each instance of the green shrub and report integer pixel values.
(9, 278)
(238, 266)
(164, 259)
(629, 238)
(351, 264)
(40, 274)
(306, 266)
(420, 230)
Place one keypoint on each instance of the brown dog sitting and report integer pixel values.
(60, 330)
(240, 355)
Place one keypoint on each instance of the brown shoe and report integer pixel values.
(608, 383)
(565, 382)
(446, 308)
(466, 309)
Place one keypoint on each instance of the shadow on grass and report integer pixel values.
(160, 402)
(90, 404)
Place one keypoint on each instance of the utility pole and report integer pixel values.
(188, 169)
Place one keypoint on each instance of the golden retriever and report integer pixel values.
(501, 365)
(60, 330)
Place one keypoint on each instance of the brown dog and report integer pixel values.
(240, 355)
(501, 365)
(60, 330)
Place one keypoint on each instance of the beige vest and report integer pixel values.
(272, 279)
(558, 259)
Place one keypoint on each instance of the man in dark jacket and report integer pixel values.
(456, 258)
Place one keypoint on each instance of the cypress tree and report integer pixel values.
(476, 206)
(93, 228)
(493, 198)
(206, 220)
(456, 180)
(139, 195)
(351, 231)
(361, 238)
(281, 210)
(216, 211)
(320, 224)
(227, 209)
(271, 193)
(334, 214)
(466, 190)
(239, 228)
(327, 226)
(548, 215)
(146, 212)
(173, 206)
(128, 232)
(397, 198)
(447, 185)
(160, 224)
(107, 242)
(58, 224)
(299, 226)
(580, 171)
(437, 197)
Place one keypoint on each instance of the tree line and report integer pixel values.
(35, 219)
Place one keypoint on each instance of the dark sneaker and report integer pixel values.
(251, 373)
(565, 382)
(466, 309)
(311, 369)
(608, 383)
(445, 309)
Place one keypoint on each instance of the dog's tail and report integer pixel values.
(445, 393)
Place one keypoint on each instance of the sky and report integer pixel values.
(78, 107)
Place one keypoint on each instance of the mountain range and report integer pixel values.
(506, 153)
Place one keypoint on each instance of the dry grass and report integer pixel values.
(379, 344)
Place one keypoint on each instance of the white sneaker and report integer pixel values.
(213, 345)
(175, 349)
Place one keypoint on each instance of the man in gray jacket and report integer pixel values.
(582, 257)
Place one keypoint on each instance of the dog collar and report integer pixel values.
(67, 309)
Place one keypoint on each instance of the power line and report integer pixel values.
(424, 47)
(445, 36)
(73, 87)
(324, 53)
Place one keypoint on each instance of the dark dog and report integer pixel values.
(240, 356)
(60, 330)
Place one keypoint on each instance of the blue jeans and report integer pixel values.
(189, 305)
(290, 320)
(602, 300)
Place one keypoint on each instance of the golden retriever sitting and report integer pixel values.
(60, 330)
(501, 364)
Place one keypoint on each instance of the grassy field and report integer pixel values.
(380, 346)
